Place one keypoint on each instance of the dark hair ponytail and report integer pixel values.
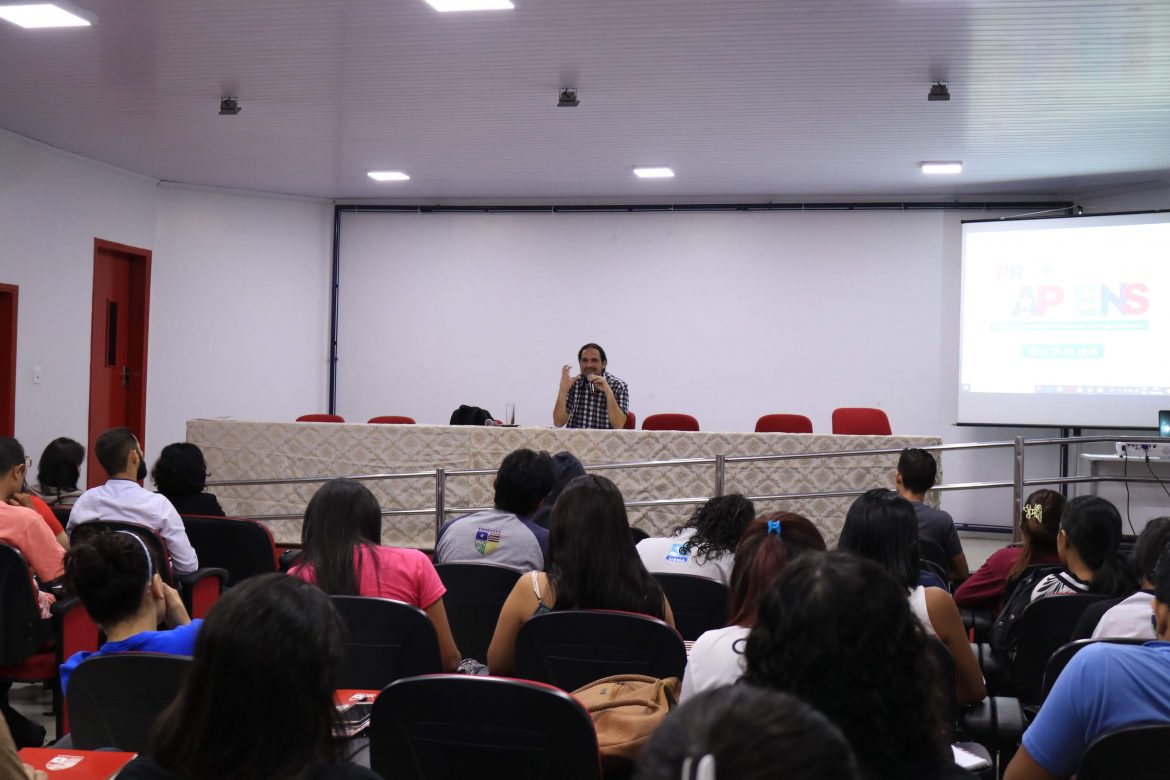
(1093, 529)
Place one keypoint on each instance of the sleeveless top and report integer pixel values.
(918, 607)
(541, 609)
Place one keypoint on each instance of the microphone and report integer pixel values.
(592, 387)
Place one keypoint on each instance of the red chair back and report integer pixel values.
(670, 422)
(861, 421)
(631, 422)
(333, 418)
(784, 423)
(390, 419)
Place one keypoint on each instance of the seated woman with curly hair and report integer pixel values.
(180, 474)
(705, 545)
(836, 631)
(767, 546)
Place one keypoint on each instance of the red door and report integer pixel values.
(117, 368)
(8, 295)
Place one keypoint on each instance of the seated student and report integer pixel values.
(565, 468)
(705, 545)
(58, 471)
(746, 733)
(836, 631)
(881, 526)
(1104, 687)
(121, 498)
(1039, 524)
(180, 474)
(117, 580)
(1130, 616)
(258, 703)
(21, 527)
(916, 474)
(1088, 542)
(504, 535)
(342, 556)
(591, 565)
(768, 544)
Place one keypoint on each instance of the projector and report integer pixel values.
(1142, 450)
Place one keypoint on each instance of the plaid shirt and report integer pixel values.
(589, 409)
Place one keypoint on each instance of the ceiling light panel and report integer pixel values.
(942, 167)
(445, 6)
(388, 176)
(40, 16)
(654, 173)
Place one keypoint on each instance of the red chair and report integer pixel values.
(390, 419)
(784, 423)
(630, 425)
(670, 422)
(861, 421)
(31, 649)
(334, 418)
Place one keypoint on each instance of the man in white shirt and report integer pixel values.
(122, 499)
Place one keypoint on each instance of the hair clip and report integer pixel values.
(774, 527)
(1034, 512)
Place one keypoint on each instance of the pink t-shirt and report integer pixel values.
(391, 573)
(24, 529)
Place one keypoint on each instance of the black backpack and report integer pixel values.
(1005, 633)
(470, 415)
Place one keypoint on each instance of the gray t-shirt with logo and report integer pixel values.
(492, 536)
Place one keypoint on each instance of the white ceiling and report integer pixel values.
(744, 98)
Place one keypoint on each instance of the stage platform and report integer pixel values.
(272, 450)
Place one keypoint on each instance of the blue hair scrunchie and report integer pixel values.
(774, 527)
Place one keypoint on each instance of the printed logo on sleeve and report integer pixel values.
(486, 540)
(677, 554)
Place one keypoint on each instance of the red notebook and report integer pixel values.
(76, 764)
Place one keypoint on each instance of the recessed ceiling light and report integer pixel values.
(41, 15)
(388, 176)
(942, 167)
(654, 173)
(444, 6)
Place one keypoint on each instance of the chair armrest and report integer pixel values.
(978, 623)
(289, 558)
(201, 589)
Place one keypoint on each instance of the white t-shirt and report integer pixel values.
(1128, 618)
(918, 607)
(663, 554)
(716, 660)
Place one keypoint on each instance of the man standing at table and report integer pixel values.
(594, 398)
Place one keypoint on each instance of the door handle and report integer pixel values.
(125, 376)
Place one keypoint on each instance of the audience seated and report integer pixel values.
(746, 733)
(1130, 616)
(916, 474)
(1088, 542)
(836, 631)
(705, 545)
(121, 498)
(180, 474)
(591, 565)
(259, 702)
(881, 526)
(58, 471)
(768, 544)
(1039, 525)
(1103, 688)
(504, 535)
(342, 556)
(565, 468)
(116, 578)
(22, 528)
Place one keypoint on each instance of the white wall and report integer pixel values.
(239, 310)
(726, 316)
(52, 206)
(239, 294)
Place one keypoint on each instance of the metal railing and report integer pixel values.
(1018, 483)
